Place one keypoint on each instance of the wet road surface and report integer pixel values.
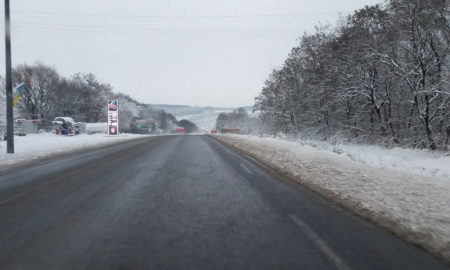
(181, 202)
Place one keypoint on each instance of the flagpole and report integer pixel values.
(9, 94)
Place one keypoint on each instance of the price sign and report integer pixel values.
(113, 117)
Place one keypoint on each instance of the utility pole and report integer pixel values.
(9, 94)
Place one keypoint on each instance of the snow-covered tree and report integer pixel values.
(382, 76)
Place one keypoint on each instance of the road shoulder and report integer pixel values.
(423, 228)
(37, 158)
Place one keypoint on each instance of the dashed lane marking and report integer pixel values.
(321, 244)
(245, 168)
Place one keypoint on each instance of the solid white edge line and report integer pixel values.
(321, 244)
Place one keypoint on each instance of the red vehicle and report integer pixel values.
(179, 131)
(214, 131)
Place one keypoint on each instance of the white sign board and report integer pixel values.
(113, 117)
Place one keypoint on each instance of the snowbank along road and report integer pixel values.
(415, 207)
(181, 202)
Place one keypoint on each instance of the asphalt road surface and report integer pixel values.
(181, 202)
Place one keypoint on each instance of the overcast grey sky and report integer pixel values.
(196, 52)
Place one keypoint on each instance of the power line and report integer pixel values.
(151, 31)
(140, 16)
(156, 32)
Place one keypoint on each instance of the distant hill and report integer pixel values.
(204, 117)
(177, 110)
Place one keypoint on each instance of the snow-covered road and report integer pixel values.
(416, 207)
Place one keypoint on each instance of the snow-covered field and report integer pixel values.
(205, 120)
(389, 187)
(34, 146)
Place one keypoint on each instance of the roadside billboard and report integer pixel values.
(113, 117)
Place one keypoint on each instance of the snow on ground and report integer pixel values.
(34, 146)
(416, 207)
(414, 161)
(96, 128)
(205, 120)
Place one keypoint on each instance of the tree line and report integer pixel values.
(47, 94)
(380, 76)
(240, 119)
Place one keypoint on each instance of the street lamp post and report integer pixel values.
(9, 94)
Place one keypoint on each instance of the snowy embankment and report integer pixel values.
(415, 207)
(205, 120)
(414, 161)
(35, 146)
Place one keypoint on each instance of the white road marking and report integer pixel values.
(321, 244)
(246, 169)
